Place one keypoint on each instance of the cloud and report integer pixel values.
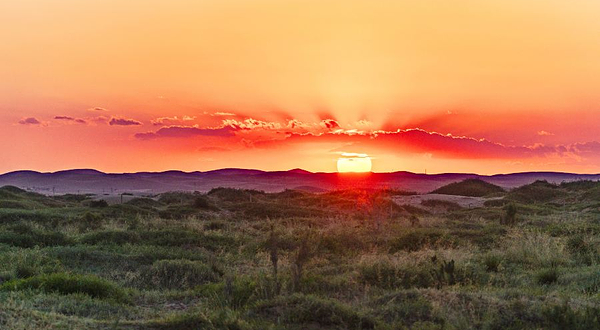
(544, 133)
(29, 121)
(68, 118)
(250, 123)
(123, 122)
(186, 131)
(437, 144)
(97, 109)
(330, 123)
(168, 121)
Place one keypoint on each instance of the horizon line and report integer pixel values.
(291, 170)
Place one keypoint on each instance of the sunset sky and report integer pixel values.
(489, 87)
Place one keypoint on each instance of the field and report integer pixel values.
(348, 259)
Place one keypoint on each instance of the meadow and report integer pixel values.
(350, 259)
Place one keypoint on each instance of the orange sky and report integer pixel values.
(449, 86)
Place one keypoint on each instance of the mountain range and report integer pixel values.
(96, 182)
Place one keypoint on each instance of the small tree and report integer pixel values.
(272, 245)
(510, 215)
(301, 259)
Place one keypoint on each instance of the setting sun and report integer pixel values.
(354, 163)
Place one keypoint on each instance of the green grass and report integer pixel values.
(68, 284)
(245, 259)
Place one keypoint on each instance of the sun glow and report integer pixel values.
(354, 163)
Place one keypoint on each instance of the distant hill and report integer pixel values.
(149, 183)
(469, 187)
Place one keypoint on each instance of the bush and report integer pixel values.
(564, 317)
(64, 283)
(547, 276)
(420, 238)
(98, 203)
(89, 221)
(178, 274)
(234, 293)
(118, 237)
(492, 262)
(510, 215)
(26, 237)
(405, 308)
(385, 274)
(308, 309)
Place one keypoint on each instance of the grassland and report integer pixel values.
(243, 259)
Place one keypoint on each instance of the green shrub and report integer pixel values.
(547, 276)
(419, 238)
(492, 262)
(187, 321)
(308, 309)
(90, 221)
(564, 317)
(510, 215)
(405, 308)
(178, 274)
(539, 191)
(385, 274)
(234, 293)
(118, 237)
(26, 237)
(98, 203)
(67, 284)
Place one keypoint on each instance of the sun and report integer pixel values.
(354, 163)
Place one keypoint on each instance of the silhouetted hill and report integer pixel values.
(96, 182)
(469, 187)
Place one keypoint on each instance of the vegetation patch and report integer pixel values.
(68, 284)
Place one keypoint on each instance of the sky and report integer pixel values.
(487, 87)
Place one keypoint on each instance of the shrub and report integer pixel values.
(118, 237)
(201, 202)
(510, 214)
(492, 262)
(387, 275)
(67, 284)
(405, 308)
(234, 293)
(547, 276)
(178, 274)
(90, 221)
(98, 203)
(308, 309)
(187, 321)
(564, 317)
(26, 237)
(579, 248)
(419, 238)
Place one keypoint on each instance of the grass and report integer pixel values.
(64, 283)
(245, 259)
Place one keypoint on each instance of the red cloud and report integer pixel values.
(123, 122)
(186, 131)
(421, 141)
(67, 118)
(29, 121)
(330, 123)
